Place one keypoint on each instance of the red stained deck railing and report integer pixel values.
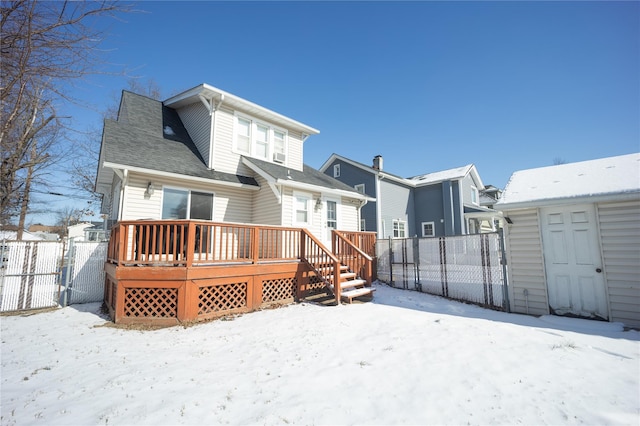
(184, 270)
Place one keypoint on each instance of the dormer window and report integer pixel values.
(260, 140)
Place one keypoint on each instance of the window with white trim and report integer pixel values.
(260, 140)
(301, 209)
(474, 195)
(428, 229)
(399, 228)
(336, 170)
(243, 136)
(360, 188)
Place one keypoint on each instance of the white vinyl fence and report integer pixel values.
(35, 274)
(467, 267)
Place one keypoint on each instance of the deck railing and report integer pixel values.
(193, 243)
(351, 255)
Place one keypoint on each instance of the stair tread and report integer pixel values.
(352, 283)
(357, 292)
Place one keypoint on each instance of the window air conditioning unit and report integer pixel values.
(279, 157)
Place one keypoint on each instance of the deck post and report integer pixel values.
(337, 288)
(121, 247)
(255, 243)
(303, 244)
(190, 244)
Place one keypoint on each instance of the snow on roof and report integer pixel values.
(451, 174)
(595, 178)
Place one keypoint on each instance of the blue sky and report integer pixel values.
(427, 85)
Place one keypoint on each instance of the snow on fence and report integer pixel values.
(84, 272)
(467, 267)
(29, 274)
(36, 274)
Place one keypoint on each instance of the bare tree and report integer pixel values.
(45, 46)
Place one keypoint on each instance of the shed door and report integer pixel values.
(573, 262)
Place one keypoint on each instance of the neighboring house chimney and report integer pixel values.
(377, 162)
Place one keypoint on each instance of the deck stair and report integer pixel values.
(351, 286)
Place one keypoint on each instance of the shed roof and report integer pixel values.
(601, 179)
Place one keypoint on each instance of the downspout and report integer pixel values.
(379, 226)
(125, 181)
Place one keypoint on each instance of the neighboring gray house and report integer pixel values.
(573, 239)
(208, 154)
(429, 205)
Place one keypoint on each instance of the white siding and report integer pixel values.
(266, 209)
(136, 206)
(620, 242)
(224, 159)
(197, 121)
(295, 151)
(315, 227)
(349, 216)
(525, 264)
(229, 204)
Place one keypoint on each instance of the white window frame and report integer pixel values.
(433, 229)
(399, 222)
(475, 195)
(309, 199)
(360, 188)
(253, 141)
(336, 170)
(189, 191)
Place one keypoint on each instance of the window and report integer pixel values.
(336, 170)
(278, 146)
(183, 204)
(474, 195)
(301, 203)
(399, 228)
(428, 229)
(332, 214)
(243, 141)
(260, 140)
(360, 188)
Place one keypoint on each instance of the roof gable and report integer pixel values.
(150, 136)
(602, 177)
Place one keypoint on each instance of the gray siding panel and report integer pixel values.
(620, 242)
(525, 264)
(397, 203)
(353, 176)
(429, 208)
(266, 209)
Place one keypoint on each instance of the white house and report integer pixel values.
(573, 239)
(210, 155)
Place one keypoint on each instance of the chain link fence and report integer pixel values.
(39, 274)
(467, 267)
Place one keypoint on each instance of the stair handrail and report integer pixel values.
(313, 260)
(367, 268)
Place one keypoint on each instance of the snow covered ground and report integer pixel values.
(406, 358)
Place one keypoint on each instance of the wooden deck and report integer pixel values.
(166, 272)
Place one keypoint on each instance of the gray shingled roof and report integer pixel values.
(309, 175)
(139, 139)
